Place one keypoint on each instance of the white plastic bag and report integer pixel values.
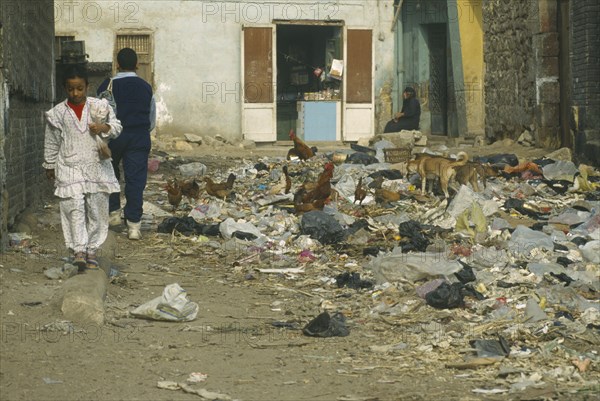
(172, 305)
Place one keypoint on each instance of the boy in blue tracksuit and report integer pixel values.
(136, 110)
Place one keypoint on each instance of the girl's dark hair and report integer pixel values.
(75, 71)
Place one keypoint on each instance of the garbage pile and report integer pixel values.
(505, 275)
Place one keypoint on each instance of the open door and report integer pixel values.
(359, 112)
(258, 105)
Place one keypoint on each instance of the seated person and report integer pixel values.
(408, 118)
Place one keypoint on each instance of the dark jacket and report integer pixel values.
(133, 96)
(412, 113)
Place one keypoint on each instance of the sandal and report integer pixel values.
(79, 259)
(92, 262)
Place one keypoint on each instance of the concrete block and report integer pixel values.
(400, 139)
(547, 115)
(563, 154)
(546, 44)
(548, 16)
(83, 297)
(546, 67)
(549, 92)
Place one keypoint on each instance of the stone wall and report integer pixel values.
(27, 82)
(585, 70)
(510, 86)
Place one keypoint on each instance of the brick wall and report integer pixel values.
(27, 75)
(585, 70)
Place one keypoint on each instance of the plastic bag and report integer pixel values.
(325, 325)
(172, 305)
(322, 227)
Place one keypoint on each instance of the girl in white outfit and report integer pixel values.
(82, 177)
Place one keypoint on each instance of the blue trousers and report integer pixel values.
(132, 148)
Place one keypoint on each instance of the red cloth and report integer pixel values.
(77, 108)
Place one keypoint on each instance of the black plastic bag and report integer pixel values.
(413, 238)
(361, 158)
(325, 325)
(446, 296)
(352, 280)
(466, 275)
(491, 348)
(322, 227)
(387, 174)
(188, 226)
(498, 160)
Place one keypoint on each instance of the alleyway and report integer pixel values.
(255, 295)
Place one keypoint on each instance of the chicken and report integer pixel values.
(300, 149)
(219, 190)
(190, 189)
(322, 189)
(385, 195)
(174, 193)
(359, 193)
(303, 207)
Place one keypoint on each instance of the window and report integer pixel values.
(142, 44)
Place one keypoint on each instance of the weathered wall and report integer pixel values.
(509, 68)
(27, 77)
(585, 68)
(197, 45)
(470, 23)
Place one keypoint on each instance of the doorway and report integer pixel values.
(438, 78)
(308, 91)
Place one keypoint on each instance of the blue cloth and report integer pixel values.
(137, 112)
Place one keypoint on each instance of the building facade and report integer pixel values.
(244, 69)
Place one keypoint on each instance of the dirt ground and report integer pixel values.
(247, 338)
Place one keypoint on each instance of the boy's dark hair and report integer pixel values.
(75, 71)
(127, 59)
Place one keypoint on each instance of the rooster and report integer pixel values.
(300, 149)
(359, 193)
(219, 190)
(174, 193)
(191, 189)
(302, 207)
(322, 188)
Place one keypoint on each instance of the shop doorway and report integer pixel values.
(308, 86)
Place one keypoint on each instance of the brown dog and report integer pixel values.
(472, 171)
(430, 166)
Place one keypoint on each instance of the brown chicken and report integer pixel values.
(190, 189)
(300, 149)
(303, 207)
(359, 193)
(219, 190)
(385, 195)
(174, 193)
(322, 189)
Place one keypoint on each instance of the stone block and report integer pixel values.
(83, 297)
(548, 16)
(546, 44)
(549, 92)
(563, 154)
(547, 115)
(546, 67)
(548, 137)
(400, 139)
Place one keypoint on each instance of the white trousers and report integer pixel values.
(84, 220)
